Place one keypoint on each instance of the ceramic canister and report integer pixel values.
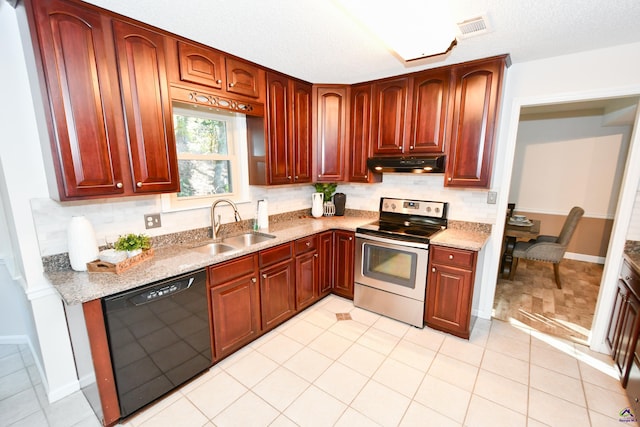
(81, 242)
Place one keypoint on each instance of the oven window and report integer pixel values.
(390, 265)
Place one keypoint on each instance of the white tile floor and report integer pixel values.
(369, 371)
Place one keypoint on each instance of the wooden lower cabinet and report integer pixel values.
(624, 326)
(307, 270)
(235, 304)
(450, 290)
(344, 250)
(326, 262)
(277, 285)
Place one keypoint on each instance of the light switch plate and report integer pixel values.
(152, 221)
(492, 197)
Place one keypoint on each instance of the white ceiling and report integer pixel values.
(314, 41)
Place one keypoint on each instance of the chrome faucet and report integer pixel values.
(215, 225)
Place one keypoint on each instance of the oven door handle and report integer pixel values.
(393, 241)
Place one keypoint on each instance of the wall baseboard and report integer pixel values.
(52, 395)
(586, 258)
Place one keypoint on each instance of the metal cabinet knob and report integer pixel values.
(119, 185)
(139, 184)
(289, 177)
(433, 269)
(449, 179)
(350, 238)
(411, 147)
(254, 280)
(450, 256)
(232, 84)
(264, 276)
(308, 244)
(315, 255)
(218, 81)
(296, 176)
(366, 177)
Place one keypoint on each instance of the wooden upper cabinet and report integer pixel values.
(429, 112)
(301, 122)
(476, 99)
(360, 135)
(331, 103)
(201, 66)
(82, 90)
(149, 121)
(242, 78)
(278, 137)
(389, 115)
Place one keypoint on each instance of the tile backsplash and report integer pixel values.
(113, 217)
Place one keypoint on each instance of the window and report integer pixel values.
(211, 147)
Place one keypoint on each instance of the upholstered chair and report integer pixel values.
(548, 248)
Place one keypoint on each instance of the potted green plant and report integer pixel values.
(133, 244)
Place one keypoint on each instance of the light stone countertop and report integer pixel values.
(634, 261)
(79, 287)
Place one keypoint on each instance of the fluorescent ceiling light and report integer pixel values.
(414, 29)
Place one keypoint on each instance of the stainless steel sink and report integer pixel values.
(247, 239)
(214, 248)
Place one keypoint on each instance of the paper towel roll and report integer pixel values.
(263, 215)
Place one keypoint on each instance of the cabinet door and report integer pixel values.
(448, 299)
(628, 336)
(307, 291)
(277, 294)
(84, 99)
(145, 92)
(475, 110)
(344, 260)
(613, 333)
(360, 135)
(430, 112)
(389, 112)
(242, 78)
(301, 131)
(235, 309)
(331, 135)
(326, 262)
(278, 139)
(201, 66)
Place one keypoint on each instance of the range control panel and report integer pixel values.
(414, 207)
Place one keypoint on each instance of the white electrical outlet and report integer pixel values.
(492, 197)
(152, 221)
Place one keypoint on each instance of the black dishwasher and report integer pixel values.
(158, 337)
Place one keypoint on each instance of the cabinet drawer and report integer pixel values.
(230, 270)
(273, 255)
(306, 244)
(630, 277)
(451, 256)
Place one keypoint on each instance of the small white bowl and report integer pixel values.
(519, 218)
(112, 256)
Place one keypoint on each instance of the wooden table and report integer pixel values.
(511, 234)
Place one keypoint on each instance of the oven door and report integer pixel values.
(391, 265)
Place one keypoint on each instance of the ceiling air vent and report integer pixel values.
(473, 27)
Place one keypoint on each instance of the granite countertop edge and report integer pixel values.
(173, 260)
(634, 261)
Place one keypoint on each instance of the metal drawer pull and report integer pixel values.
(433, 269)
(264, 276)
(450, 256)
(254, 280)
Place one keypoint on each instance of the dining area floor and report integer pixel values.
(533, 298)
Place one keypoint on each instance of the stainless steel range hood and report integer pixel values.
(416, 164)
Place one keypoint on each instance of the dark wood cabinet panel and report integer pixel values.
(477, 91)
(84, 99)
(242, 78)
(278, 138)
(201, 66)
(307, 290)
(450, 290)
(389, 115)
(145, 94)
(301, 131)
(360, 148)
(331, 103)
(326, 262)
(277, 294)
(430, 112)
(235, 304)
(624, 325)
(344, 247)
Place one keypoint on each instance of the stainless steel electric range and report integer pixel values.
(392, 255)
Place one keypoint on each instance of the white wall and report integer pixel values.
(568, 161)
(23, 179)
(597, 74)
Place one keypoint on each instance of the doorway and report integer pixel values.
(567, 154)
